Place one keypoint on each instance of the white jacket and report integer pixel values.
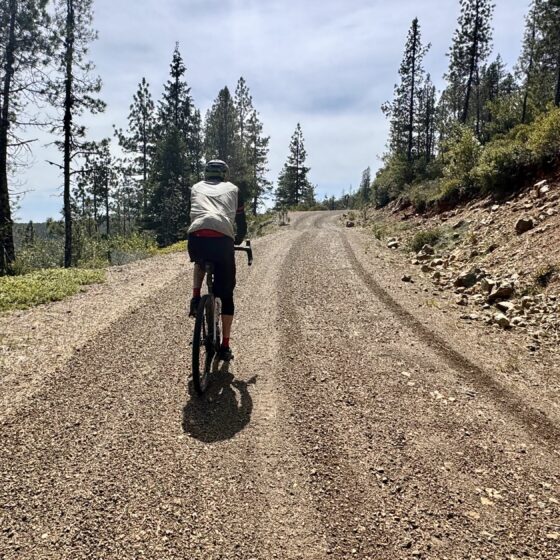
(213, 206)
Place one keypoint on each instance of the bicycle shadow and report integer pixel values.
(222, 412)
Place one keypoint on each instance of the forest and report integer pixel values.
(489, 131)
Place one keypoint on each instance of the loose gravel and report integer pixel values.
(354, 422)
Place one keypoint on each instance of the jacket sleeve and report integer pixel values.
(240, 220)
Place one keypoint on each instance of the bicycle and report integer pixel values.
(206, 336)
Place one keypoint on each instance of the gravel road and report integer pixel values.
(356, 421)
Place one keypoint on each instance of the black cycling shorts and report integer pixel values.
(220, 251)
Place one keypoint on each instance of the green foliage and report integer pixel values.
(391, 180)
(544, 138)
(294, 188)
(89, 252)
(43, 253)
(21, 292)
(507, 161)
(171, 192)
(462, 156)
(179, 247)
(426, 237)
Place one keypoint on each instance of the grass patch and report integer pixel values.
(179, 247)
(261, 224)
(22, 292)
(427, 237)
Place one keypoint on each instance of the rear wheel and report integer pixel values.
(203, 345)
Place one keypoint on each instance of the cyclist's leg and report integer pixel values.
(198, 278)
(196, 250)
(224, 286)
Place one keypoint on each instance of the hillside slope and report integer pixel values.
(499, 262)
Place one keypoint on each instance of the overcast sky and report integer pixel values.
(328, 64)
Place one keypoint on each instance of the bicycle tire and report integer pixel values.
(202, 345)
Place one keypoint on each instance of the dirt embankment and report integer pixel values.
(499, 263)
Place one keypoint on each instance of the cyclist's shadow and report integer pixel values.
(222, 412)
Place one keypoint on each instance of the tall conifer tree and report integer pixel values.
(470, 49)
(139, 140)
(294, 187)
(73, 93)
(220, 130)
(25, 48)
(404, 109)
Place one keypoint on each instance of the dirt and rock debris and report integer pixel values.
(361, 418)
(499, 262)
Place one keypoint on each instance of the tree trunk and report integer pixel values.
(557, 97)
(107, 217)
(529, 71)
(7, 250)
(144, 169)
(473, 67)
(68, 105)
(412, 92)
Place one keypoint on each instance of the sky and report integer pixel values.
(327, 64)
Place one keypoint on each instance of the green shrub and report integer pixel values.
(21, 292)
(502, 164)
(463, 155)
(391, 180)
(544, 138)
(43, 253)
(179, 247)
(426, 237)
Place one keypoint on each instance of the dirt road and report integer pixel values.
(355, 422)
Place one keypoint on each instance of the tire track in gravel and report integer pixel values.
(289, 528)
(338, 484)
(390, 483)
(535, 421)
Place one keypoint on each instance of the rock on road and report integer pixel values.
(354, 422)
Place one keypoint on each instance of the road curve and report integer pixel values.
(353, 423)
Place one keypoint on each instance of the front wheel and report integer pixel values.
(203, 346)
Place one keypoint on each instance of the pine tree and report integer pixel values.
(256, 162)
(220, 131)
(72, 92)
(100, 180)
(526, 64)
(29, 235)
(365, 186)
(426, 122)
(177, 113)
(195, 148)
(499, 99)
(470, 48)
(176, 106)
(139, 139)
(293, 185)
(403, 110)
(547, 14)
(169, 209)
(538, 68)
(25, 48)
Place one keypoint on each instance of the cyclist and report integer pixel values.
(217, 222)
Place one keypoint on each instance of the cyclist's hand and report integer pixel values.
(238, 240)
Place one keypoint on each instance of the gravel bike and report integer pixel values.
(207, 336)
